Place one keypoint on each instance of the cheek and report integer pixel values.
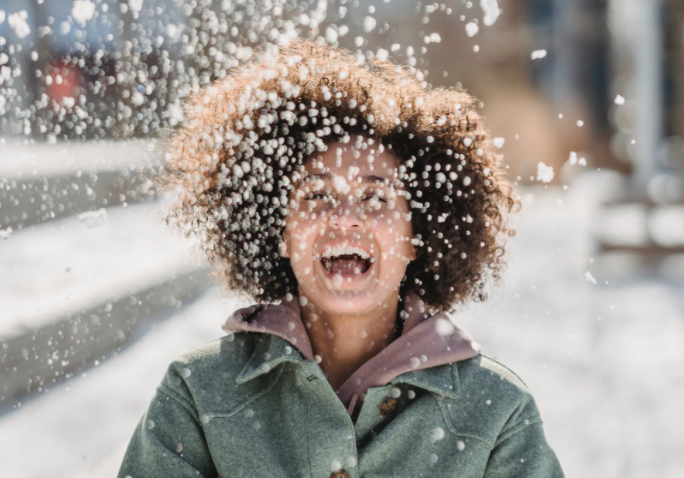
(302, 237)
(400, 225)
(394, 238)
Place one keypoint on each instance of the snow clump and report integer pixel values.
(545, 173)
(93, 218)
(491, 11)
(82, 11)
(369, 24)
(444, 327)
(437, 434)
(18, 23)
(5, 233)
(538, 54)
(472, 29)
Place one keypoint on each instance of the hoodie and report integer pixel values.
(425, 341)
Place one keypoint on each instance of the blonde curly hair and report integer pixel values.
(231, 164)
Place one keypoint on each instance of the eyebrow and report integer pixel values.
(369, 178)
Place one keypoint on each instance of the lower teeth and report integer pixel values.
(353, 270)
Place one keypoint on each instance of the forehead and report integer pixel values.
(357, 158)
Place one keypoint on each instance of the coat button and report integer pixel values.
(387, 406)
(340, 474)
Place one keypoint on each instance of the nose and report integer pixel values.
(346, 214)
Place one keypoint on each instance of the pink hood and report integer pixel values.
(426, 341)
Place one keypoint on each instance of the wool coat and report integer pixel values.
(255, 404)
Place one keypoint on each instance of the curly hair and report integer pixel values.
(231, 164)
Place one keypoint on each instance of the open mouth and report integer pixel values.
(347, 264)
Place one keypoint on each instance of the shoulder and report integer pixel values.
(206, 374)
(229, 350)
(491, 399)
(484, 372)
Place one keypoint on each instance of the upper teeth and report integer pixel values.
(345, 250)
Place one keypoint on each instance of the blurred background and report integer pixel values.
(585, 99)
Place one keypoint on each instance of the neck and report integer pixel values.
(345, 342)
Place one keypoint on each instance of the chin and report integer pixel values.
(346, 301)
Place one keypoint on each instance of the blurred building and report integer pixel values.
(78, 73)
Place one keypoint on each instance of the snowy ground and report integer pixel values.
(46, 160)
(600, 342)
(124, 248)
(601, 351)
(80, 428)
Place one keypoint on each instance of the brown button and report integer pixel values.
(387, 406)
(339, 474)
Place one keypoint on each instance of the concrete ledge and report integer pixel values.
(41, 182)
(28, 201)
(38, 358)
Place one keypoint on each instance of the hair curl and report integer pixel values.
(231, 164)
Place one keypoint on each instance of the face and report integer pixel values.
(348, 229)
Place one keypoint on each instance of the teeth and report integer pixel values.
(342, 250)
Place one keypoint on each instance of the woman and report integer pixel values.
(356, 207)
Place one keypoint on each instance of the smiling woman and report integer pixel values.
(356, 208)
(348, 236)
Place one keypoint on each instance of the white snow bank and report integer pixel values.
(66, 265)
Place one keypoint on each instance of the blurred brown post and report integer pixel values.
(676, 18)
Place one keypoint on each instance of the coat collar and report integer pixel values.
(439, 379)
(415, 358)
(269, 352)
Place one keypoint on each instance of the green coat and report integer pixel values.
(250, 406)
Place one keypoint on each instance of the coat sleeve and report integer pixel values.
(168, 441)
(521, 450)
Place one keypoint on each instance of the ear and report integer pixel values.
(414, 249)
(282, 245)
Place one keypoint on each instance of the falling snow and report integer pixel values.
(137, 88)
(472, 29)
(369, 24)
(136, 5)
(93, 218)
(491, 11)
(545, 173)
(82, 11)
(5, 233)
(538, 54)
(18, 23)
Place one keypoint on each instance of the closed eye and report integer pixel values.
(315, 196)
(378, 197)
